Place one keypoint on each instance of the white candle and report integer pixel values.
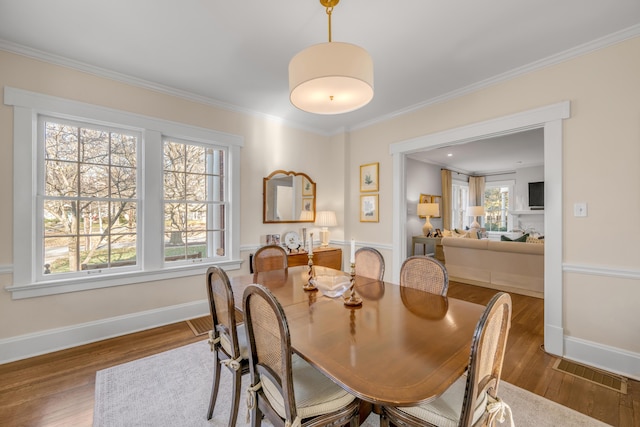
(311, 245)
(353, 251)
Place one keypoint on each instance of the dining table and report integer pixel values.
(400, 347)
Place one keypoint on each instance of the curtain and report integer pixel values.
(476, 191)
(445, 209)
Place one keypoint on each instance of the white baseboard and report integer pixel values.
(29, 345)
(607, 358)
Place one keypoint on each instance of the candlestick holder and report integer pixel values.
(352, 300)
(309, 286)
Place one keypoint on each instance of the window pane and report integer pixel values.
(61, 142)
(94, 181)
(196, 188)
(196, 161)
(123, 150)
(60, 255)
(61, 178)
(94, 146)
(174, 159)
(173, 187)
(123, 182)
(59, 217)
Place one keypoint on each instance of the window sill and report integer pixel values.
(82, 284)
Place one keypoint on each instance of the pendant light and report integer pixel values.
(332, 77)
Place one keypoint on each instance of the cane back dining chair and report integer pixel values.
(369, 263)
(424, 273)
(472, 400)
(270, 257)
(284, 388)
(228, 339)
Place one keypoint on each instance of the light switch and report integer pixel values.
(580, 209)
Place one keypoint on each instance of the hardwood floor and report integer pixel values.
(57, 389)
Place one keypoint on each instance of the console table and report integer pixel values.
(326, 257)
(434, 243)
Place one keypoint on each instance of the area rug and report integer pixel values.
(171, 389)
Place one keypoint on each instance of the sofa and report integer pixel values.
(509, 266)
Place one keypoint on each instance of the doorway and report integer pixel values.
(548, 118)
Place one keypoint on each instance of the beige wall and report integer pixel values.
(601, 152)
(600, 160)
(267, 146)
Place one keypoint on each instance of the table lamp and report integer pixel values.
(325, 219)
(475, 212)
(428, 210)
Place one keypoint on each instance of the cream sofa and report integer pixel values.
(507, 266)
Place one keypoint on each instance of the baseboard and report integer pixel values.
(29, 345)
(600, 356)
(505, 288)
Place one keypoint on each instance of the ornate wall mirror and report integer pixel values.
(288, 196)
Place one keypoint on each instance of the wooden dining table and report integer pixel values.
(400, 347)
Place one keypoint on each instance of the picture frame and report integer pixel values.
(430, 198)
(273, 239)
(369, 208)
(307, 187)
(369, 177)
(307, 204)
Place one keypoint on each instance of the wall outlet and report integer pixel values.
(580, 209)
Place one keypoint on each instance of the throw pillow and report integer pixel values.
(522, 238)
(535, 240)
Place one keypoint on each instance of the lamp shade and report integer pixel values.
(326, 219)
(428, 209)
(475, 211)
(331, 78)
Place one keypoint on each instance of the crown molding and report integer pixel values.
(583, 49)
(574, 52)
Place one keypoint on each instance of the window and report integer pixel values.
(459, 205)
(194, 205)
(497, 199)
(118, 197)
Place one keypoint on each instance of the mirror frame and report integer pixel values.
(264, 196)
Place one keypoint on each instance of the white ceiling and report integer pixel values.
(236, 53)
(490, 156)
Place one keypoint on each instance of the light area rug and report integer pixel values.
(172, 389)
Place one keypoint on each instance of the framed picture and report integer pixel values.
(307, 204)
(307, 187)
(369, 177)
(369, 208)
(273, 239)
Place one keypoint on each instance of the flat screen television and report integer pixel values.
(536, 195)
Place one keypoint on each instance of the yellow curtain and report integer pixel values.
(476, 190)
(446, 198)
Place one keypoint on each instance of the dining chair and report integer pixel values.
(284, 388)
(369, 263)
(424, 273)
(270, 257)
(228, 339)
(472, 400)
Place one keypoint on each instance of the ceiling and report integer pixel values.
(235, 54)
(489, 156)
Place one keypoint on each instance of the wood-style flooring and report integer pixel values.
(57, 389)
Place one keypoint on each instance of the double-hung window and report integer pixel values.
(104, 197)
(497, 200)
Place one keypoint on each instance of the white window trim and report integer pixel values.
(27, 106)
